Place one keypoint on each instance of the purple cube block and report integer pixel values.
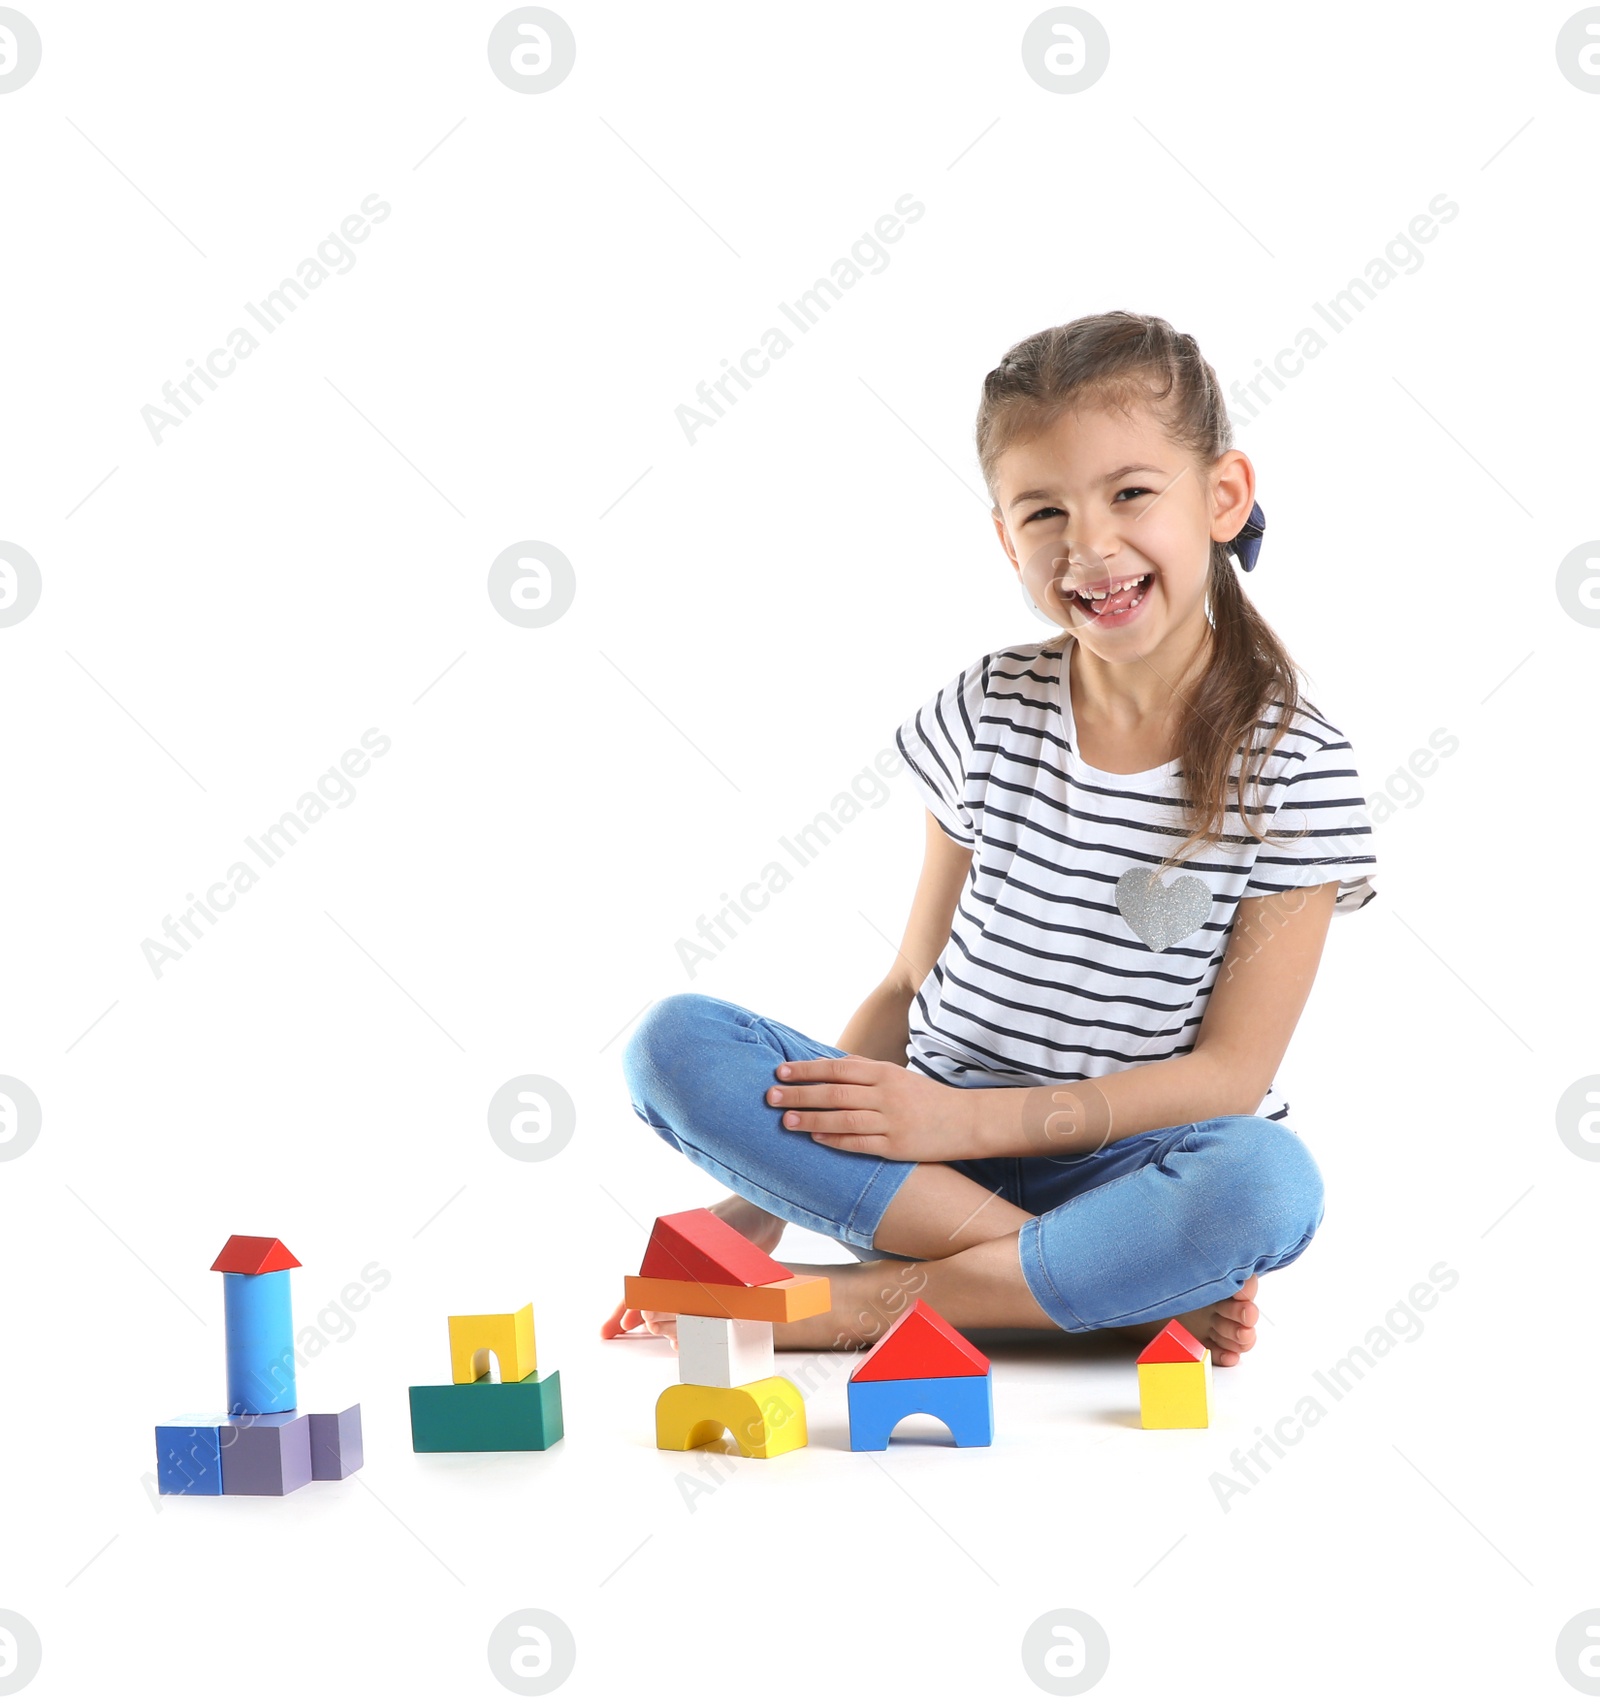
(336, 1444)
(267, 1456)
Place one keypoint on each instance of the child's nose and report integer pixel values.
(1085, 561)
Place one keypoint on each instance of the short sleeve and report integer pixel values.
(1321, 831)
(937, 743)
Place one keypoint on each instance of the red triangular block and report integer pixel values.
(697, 1245)
(921, 1345)
(1173, 1343)
(253, 1255)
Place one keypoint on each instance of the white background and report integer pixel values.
(754, 614)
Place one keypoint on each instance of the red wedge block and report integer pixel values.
(697, 1245)
(1173, 1343)
(253, 1255)
(921, 1345)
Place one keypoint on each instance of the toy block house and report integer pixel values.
(1175, 1379)
(263, 1445)
(921, 1366)
(518, 1411)
(727, 1295)
(258, 1324)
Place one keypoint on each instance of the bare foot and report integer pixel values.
(1226, 1328)
(763, 1229)
(865, 1299)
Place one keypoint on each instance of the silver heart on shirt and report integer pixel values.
(1161, 915)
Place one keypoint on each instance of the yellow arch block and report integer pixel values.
(766, 1417)
(508, 1336)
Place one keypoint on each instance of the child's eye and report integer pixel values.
(1135, 490)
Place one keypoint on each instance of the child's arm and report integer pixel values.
(869, 1107)
(880, 1027)
(1261, 989)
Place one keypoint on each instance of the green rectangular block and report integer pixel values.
(520, 1414)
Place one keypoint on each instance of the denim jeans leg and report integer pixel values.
(1213, 1204)
(698, 1069)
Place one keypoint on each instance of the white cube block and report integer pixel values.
(723, 1352)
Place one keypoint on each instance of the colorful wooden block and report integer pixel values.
(508, 1337)
(921, 1344)
(258, 1325)
(263, 1446)
(713, 1350)
(253, 1255)
(766, 1417)
(336, 1451)
(1174, 1379)
(781, 1301)
(267, 1455)
(1173, 1343)
(964, 1403)
(189, 1454)
(1173, 1394)
(697, 1245)
(520, 1414)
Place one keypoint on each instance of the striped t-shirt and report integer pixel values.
(1061, 963)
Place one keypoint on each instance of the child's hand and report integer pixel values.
(624, 1319)
(872, 1107)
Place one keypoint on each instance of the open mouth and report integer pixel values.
(1116, 598)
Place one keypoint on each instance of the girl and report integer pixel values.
(1058, 1108)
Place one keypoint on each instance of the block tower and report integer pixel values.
(1174, 1379)
(921, 1366)
(263, 1445)
(258, 1325)
(727, 1295)
(518, 1411)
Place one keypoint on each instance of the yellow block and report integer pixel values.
(766, 1417)
(509, 1336)
(1175, 1394)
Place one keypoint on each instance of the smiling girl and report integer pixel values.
(1058, 1108)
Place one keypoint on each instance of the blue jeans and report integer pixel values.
(1148, 1227)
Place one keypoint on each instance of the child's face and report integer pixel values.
(1100, 499)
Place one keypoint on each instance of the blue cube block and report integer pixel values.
(189, 1454)
(964, 1403)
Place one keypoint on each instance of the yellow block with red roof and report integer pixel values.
(1175, 1379)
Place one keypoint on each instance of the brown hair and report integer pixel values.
(1121, 361)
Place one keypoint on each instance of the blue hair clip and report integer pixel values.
(1247, 543)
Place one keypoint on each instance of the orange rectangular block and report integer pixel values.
(781, 1301)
